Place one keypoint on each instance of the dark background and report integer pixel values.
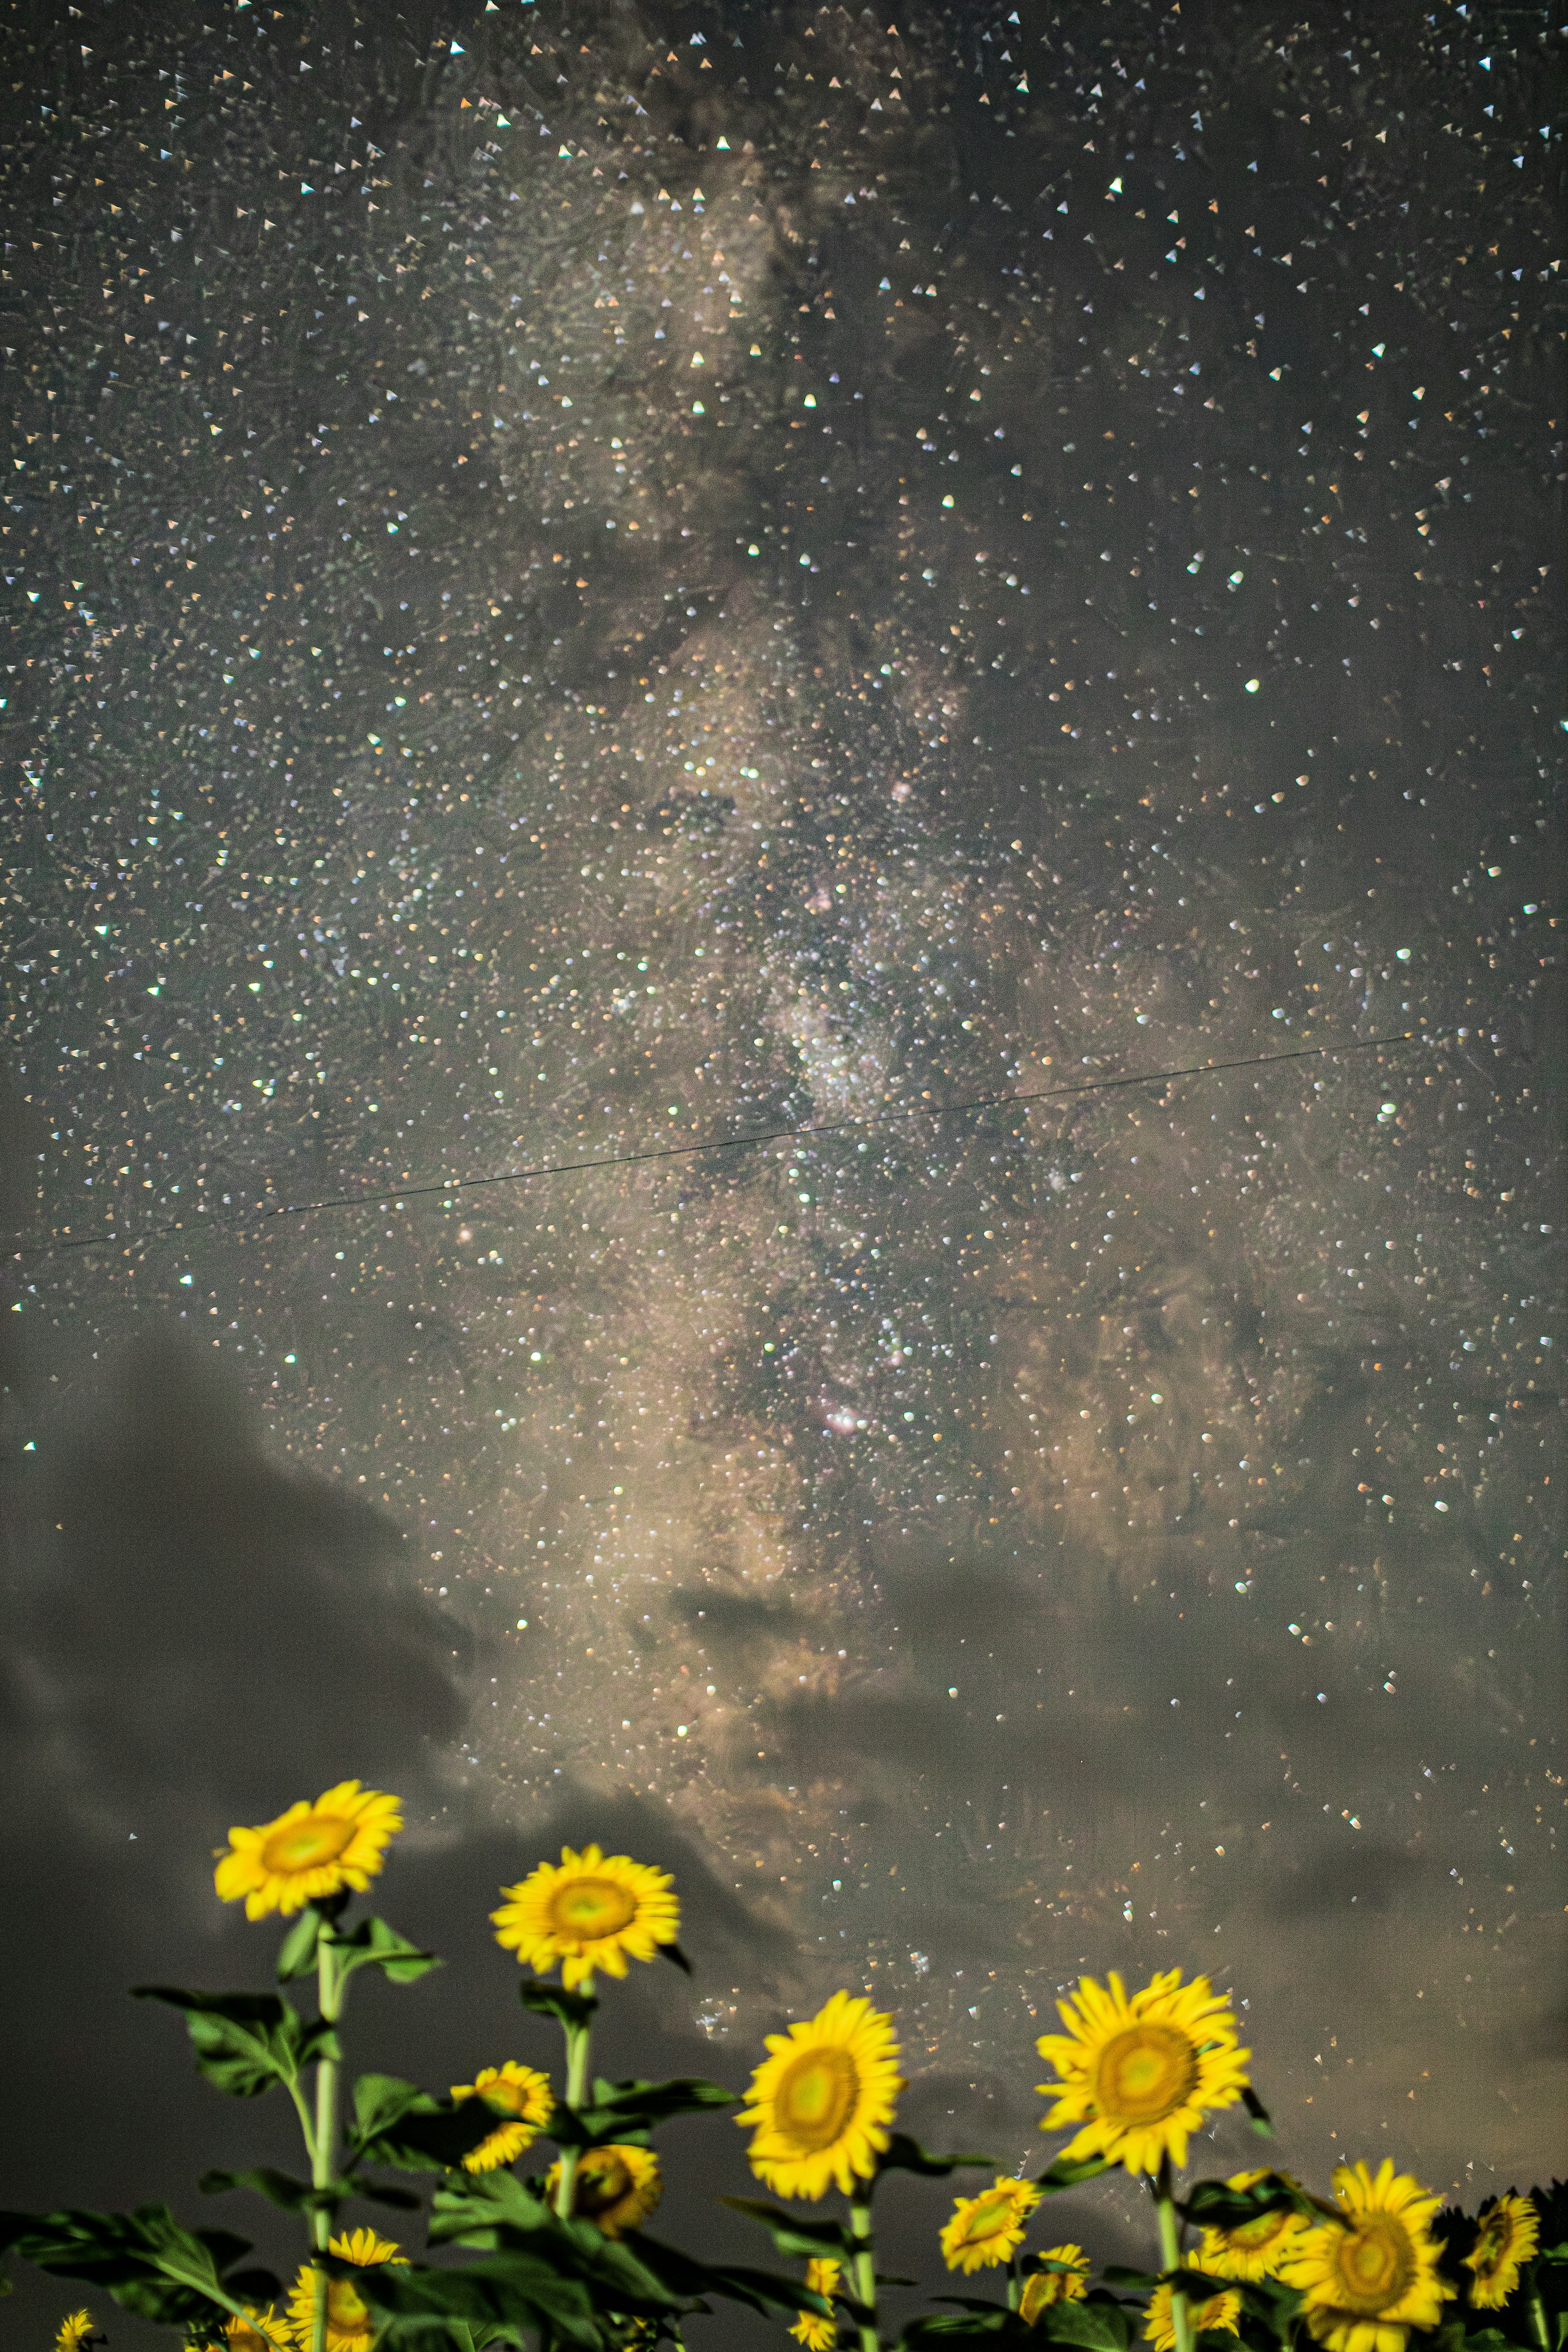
(586, 582)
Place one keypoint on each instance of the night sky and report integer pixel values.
(588, 582)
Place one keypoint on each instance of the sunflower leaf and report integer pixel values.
(279, 2188)
(622, 2107)
(146, 2260)
(816, 2239)
(1071, 2172)
(396, 2123)
(247, 2041)
(1217, 2206)
(1118, 2274)
(761, 2290)
(297, 1953)
(904, 2155)
(980, 2323)
(518, 2289)
(571, 2009)
(374, 1944)
(1262, 2121)
(1094, 2323)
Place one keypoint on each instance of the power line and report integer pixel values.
(395, 1195)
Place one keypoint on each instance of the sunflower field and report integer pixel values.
(559, 2260)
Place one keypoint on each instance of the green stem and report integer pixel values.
(578, 2041)
(1015, 2285)
(1538, 2312)
(1171, 2255)
(330, 1984)
(864, 2263)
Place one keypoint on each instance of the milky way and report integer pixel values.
(590, 583)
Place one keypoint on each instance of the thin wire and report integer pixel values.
(395, 1195)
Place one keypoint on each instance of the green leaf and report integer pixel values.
(374, 1944)
(904, 2155)
(1071, 2172)
(514, 2290)
(760, 2291)
(398, 2124)
(247, 2041)
(619, 2109)
(145, 2259)
(981, 2324)
(817, 2241)
(297, 1954)
(1094, 2323)
(1262, 2121)
(1212, 2204)
(278, 2188)
(573, 2009)
(1118, 2274)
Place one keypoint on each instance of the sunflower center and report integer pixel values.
(815, 2097)
(305, 1843)
(993, 2214)
(587, 1909)
(1373, 2265)
(1144, 2074)
(1491, 2245)
(344, 2309)
(605, 2185)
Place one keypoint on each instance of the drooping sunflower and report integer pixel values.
(1368, 2280)
(818, 2335)
(589, 1911)
(524, 2094)
(309, 1851)
(1139, 2074)
(1253, 2249)
(987, 2228)
(1070, 2284)
(615, 2186)
(1508, 2234)
(352, 2323)
(1217, 2316)
(75, 2331)
(822, 2102)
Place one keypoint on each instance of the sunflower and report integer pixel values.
(1510, 2233)
(309, 1851)
(76, 2331)
(822, 2102)
(988, 2230)
(1368, 2280)
(352, 2323)
(1253, 2249)
(1217, 2316)
(1139, 2074)
(590, 1911)
(521, 2093)
(1070, 2284)
(246, 2334)
(615, 2186)
(818, 2335)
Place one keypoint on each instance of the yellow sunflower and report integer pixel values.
(1510, 2233)
(987, 2229)
(590, 1911)
(1139, 2074)
(822, 2102)
(76, 2331)
(1042, 2288)
(521, 2093)
(1368, 2280)
(246, 2334)
(1254, 2249)
(615, 2186)
(818, 2335)
(351, 2322)
(1217, 2316)
(309, 1851)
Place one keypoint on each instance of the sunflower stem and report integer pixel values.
(1171, 2255)
(865, 2265)
(578, 2041)
(1015, 2285)
(1538, 2312)
(330, 1985)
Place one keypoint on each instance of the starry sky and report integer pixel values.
(587, 586)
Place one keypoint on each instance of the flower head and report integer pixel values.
(1508, 2234)
(522, 2094)
(1139, 2074)
(1217, 2316)
(1368, 2280)
(818, 2335)
(589, 1911)
(309, 1852)
(352, 2325)
(614, 2186)
(76, 2331)
(987, 2229)
(1253, 2249)
(1069, 2284)
(822, 2102)
(258, 2331)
